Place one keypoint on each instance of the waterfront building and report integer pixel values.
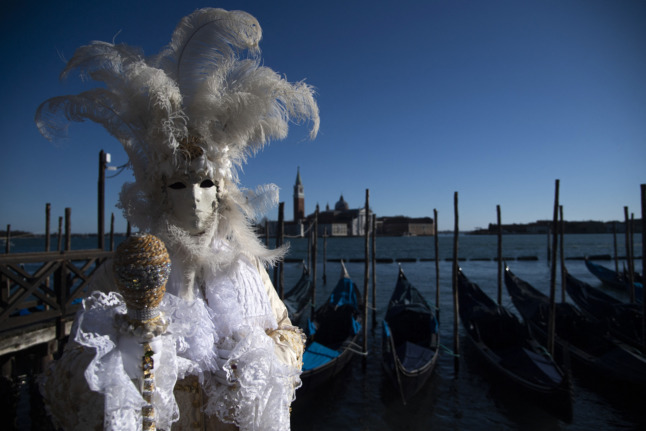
(345, 221)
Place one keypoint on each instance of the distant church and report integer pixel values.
(343, 221)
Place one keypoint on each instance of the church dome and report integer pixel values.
(341, 205)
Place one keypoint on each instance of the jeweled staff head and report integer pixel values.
(141, 267)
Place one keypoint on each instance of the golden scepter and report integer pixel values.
(141, 267)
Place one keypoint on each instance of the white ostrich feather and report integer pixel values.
(207, 83)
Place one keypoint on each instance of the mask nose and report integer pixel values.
(196, 195)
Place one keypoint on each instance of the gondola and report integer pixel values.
(298, 297)
(332, 333)
(505, 345)
(578, 337)
(623, 320)
(616, 280)
(410, 339)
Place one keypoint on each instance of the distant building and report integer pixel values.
(299, 198)
(405, 226)
(570, 227)
(344, 221)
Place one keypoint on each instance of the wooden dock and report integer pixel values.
(40, 294)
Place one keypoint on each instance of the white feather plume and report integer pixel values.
(207, 83)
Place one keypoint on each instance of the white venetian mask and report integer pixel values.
(192, 202)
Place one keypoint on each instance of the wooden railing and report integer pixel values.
(42, 290)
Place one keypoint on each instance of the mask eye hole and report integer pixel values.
(207, 183)
(177, 186)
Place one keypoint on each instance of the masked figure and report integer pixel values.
(188, 118)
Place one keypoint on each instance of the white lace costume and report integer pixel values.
(195, 112)
(264, 354)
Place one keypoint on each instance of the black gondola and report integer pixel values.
(298, 297)
(616, 280)
(410, 339)
(583, 339)
(623, 320)
(506, 346)
(332, 333)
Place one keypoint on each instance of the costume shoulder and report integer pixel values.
(289, 339)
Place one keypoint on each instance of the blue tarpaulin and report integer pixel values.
(344, 294)
(316, 355)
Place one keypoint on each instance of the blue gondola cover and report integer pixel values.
(316, 355)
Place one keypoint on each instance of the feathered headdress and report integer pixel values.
(206, 87)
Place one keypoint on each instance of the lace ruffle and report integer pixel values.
(263, 387)
(116, 360)
(234, 321)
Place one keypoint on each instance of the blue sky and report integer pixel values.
(418, 99)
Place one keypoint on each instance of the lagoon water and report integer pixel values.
(362, 398)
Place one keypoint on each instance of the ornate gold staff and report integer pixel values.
(141, 267)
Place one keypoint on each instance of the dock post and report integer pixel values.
(277, 267)
(456, 305)
(6, 285)
(366, 274)
(614, 239)
(101, 203)
(551, 323)
(374, 271)
(112, 232)
(629, 257)
(561, 253)
(437, 266)
(48, 239)
(315, 235)
(279, 243)
(7, 246)
(643, 202)
(310, 249)
(59, 246)
(324, 253)
(68, 229)
(499, 254)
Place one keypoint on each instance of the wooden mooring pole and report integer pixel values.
(279, 242)
(643, 202)
(315, 243)
(551, 323)
(562, 253)
(629, 257)
(324, 256)
(48, 239)
(68, 229)
(437, 267)
(366, 272)
(7, 245)
(101, 203)
(313, 265)
(374, 271)
(456, 306)
(498, 217)
(59, 245)
(614, 240)
(112, 232)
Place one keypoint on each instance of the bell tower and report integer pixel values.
(299, 197)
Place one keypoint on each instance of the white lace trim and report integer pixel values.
(234, 321)
(263, 386)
